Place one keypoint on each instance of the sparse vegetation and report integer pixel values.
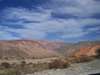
(8, 72)
(23, 63)
(23, 67)
(82, 59)
(98, 53)
(17, 61)
(58, 63)
(5, 65)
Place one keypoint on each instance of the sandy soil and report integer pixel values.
(46, 60)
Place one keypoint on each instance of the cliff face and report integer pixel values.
(88, 51)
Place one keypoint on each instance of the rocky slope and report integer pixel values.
(41, 49)
(28, 49)
(88, 51)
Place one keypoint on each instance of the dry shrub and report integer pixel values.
(31, 67)
(83, 58)
(71, 59)
(5, 65)
(98, 53)
(58, 63)
(23, 63)
(40, 66)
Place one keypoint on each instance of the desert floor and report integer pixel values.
(75, 69)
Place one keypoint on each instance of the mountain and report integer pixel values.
(19, 49)
(83, 51)
(88, 49)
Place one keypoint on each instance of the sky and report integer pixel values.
(58, 20)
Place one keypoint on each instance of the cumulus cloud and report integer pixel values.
(68, 19)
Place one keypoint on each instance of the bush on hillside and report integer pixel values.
(5, 65)
(58, 63)
(83, 58)
(98, 53)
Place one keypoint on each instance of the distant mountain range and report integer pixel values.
(23, 49)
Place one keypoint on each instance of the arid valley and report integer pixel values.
(29, 57)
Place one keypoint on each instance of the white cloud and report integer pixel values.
(30, 34)
(22, 13)
(81, 8)
(66, 28)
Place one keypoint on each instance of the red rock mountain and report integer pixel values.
(86, 51)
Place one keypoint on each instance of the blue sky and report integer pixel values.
(62, 20)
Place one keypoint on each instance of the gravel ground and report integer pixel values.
(75, 69)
